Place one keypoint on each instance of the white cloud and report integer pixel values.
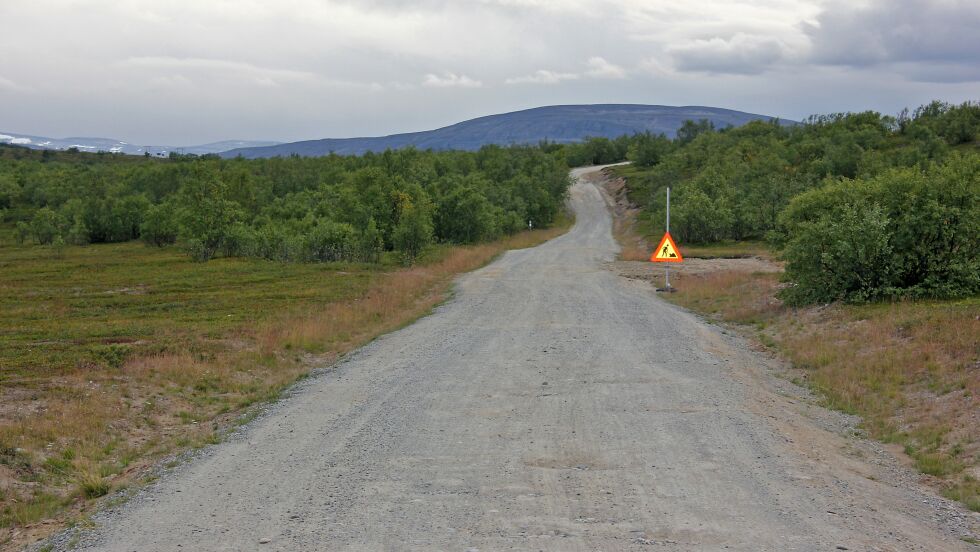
(742, 54)
(596, 68)
(581, 7)
(655, 66)
(450, 80)
(542, 76)
(599, 68)
(247, 72)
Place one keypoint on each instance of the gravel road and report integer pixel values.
(550, 405)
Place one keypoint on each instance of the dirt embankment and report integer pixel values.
(633, 261)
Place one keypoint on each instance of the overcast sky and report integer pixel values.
(183, 72)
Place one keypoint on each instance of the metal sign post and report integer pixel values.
(667, 251)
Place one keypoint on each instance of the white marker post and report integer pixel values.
(667, 265)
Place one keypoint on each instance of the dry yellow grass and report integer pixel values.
(400, 296)
(76, 434)
(631, 246)
(909, 369)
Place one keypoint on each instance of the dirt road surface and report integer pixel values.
(550, 405)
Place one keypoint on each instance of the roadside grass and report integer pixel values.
(631, 248)
(910, 370)
(726, 250)
(114, 356)
(638, 248)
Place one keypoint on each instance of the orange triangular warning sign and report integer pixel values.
(667, 251)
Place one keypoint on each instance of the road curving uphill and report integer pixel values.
(550, 405)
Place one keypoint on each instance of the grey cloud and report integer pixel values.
(193, 71)
(11, 85)
(935, 41)
(742, 54)
(940, 72)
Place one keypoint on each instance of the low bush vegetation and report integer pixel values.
(861, 206)
(291, 210)
(907, 232)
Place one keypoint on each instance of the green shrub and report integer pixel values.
(370, 243)
(841, 256)
(45, 226)
(159, 226)
(465, 216)
(113, 355)
(112, 219)
(239, 241)
(206, 215)
(198, 250)
(648, 150)
(9, 191)
(78, 234)
(22, 231)
(275, 243)
(699, 218)
(330, 241)
(413, 233)
(905, 233)
(954, 123)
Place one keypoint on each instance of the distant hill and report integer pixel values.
(111, 145)
(563, 123)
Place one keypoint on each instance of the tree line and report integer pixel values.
(861, 206)
(333, 208)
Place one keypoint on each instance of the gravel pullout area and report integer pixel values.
(550, 405)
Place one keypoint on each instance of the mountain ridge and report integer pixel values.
(557, 123)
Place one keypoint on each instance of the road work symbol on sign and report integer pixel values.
(667, 251)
